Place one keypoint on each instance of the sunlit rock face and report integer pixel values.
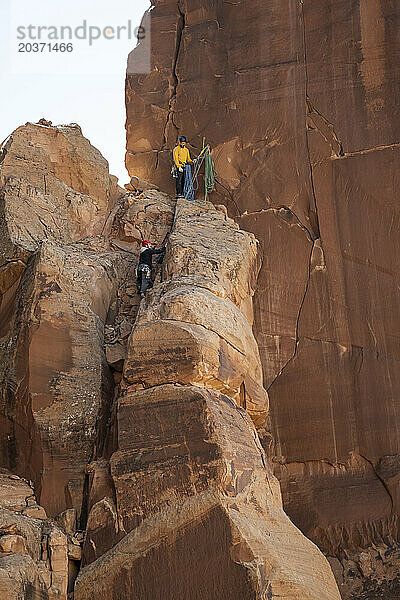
(58, 278)
(196, 510)
(130, 428)
(299, 101)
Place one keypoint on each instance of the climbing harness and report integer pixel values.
(144, 269)
(143, 278)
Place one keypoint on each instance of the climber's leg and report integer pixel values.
(183, 182)
(139, 280)
(180, 182)
(146, 280)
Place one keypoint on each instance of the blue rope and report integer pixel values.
(188, 189)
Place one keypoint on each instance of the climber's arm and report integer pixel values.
(160, 251)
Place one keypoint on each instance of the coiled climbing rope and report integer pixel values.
(191, 182)
(188, 188)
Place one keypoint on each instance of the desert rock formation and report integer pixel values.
(57, 281)
(197, 512)
(39, 558)
(299, 101)
(130, 452)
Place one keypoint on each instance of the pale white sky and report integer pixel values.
(85, 86)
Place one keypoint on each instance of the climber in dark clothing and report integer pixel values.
(143, 280)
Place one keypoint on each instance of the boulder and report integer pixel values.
(204, 515)
(148, 217)
(13, 544)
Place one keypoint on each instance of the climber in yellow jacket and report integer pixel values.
(182, 158)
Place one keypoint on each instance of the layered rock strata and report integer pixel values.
(58, 278)
(39, 558)
(130, 453)
(299, 103)
(196, 511)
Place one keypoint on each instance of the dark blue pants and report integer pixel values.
(143, 280)
(180, 183)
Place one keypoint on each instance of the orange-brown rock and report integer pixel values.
(146, 216)
(202, 335)
(204, 516)
(34, 556)
(192, 483)
(15, 493)
(57, 288)
(64, 295)
(55, 185)
(102, 530)
(152, 452)
(299, 103)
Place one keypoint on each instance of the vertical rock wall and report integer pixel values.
(299, 102)
(130, 461)
(196, 511)
(58, 279)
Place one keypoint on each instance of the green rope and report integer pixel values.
(209, 175)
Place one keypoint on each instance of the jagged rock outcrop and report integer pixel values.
(298, 101)
(144, 216)
(58, 281)
(55, 379)
(128, 450)
(38, 558)
(196, 313)
(196, 512)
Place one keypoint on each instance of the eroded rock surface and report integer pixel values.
(134, 424)
(299, 103)
(210, 273)
(196, 504)
(59, 280)
(35, 556)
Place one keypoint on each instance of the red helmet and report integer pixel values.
(146, 243)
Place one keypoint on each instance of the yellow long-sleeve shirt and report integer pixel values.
(181, 156)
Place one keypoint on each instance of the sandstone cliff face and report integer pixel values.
(196, 509)
(130, 453)
(299, 103)
(57, 284)
(39, 558)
